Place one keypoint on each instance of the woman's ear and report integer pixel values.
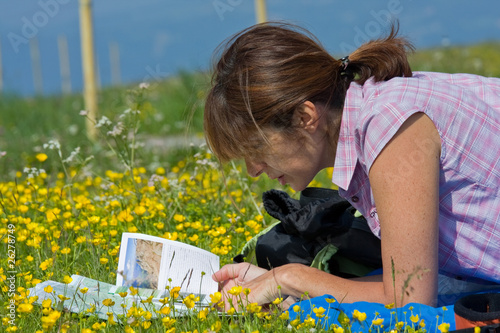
(307, 116)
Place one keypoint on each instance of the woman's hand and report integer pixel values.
(261, 283)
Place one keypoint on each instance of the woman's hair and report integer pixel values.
(266, 72)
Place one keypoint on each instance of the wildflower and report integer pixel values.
(83, 113)
(133, 291)
(123, 294)
(231, 311)
(24, 307)
(46, 303)
(84, 290)
(254, 308)
(174, 293)
(319, 312)
(215, 297)
(41, 157)
(103, 261)
(338, 329)
(414, 318)
(67, 279)
(48, 289)
(236, 290)
(444, 327)
(285, 315)
(144, 85)
(378, 321)
(360, 316)
(278, 300)
(63, 298)
(66, 250)
(216, 327)
(108, 302)
(168, 322)
(165, 310)
(202, 315)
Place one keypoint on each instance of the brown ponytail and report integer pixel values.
(267, 71)
(381, 59)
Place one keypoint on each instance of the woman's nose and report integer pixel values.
(254, 169)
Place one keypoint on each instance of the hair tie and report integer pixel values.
(345, 61)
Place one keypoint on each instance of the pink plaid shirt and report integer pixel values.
(466, 112)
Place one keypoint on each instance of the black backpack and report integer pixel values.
(321, 230)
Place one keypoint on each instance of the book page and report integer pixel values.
(154, 263)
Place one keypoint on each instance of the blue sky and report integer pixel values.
(157, 38)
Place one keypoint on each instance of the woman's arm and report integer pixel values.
(405, 184)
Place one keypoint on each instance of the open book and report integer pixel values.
(148, 263)
(152, 264)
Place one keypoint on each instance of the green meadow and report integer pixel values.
(65, 200)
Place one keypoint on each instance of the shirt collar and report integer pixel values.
(346, 156)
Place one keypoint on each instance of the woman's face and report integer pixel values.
(291, 161)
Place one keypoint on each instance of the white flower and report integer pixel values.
(144, 85)
(84, 112)
(104, 121)
(52, 144)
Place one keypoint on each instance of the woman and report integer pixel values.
(416, 153)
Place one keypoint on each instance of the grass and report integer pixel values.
(63, 213)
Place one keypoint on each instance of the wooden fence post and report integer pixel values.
(88, 67)
(36, 66)
(261, 11)
(1, 73)
(114, 59)
(64, 66)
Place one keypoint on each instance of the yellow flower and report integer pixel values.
(103, 261)
(254, 308)
(361, 316)
(41, 157)
(63, 298)
(444, 327)
(215, 297)
(338, 329)
(48, 289)
(133, 291)
(66, 250)
(202, 315)
(67, 279)
(296, 308)
(216, 327)
(378, 321)
(319, 312)
(179, 218)
(236, 290)
(108, 302)
(123, 294)
(165, 310)
(231, 311)
(285, 315)
(278, 300)
(24, 308)
(46, 303)
(174, 293)
(84, 290)
(414, 318)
